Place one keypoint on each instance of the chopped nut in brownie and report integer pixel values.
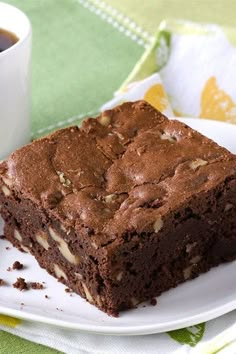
(20, 284)
(36, 286)
(17, 265)
(2, 282)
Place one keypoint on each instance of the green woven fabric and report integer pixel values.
(78, 60)
(148, 14)
(10, 344)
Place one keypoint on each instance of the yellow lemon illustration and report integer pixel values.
(156, 96)
(216, 103)
(177, 113)
(9, 321)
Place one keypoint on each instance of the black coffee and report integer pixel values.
(7, 39)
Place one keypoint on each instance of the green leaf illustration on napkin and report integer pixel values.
(153, 59)
(190, 335)
(162, 48)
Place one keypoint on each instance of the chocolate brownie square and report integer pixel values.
(127, 206)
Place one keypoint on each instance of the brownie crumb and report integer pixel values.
(9, 269)
(17, 265)
(22, 304)
(46, 296)
(59, 309)
(20, 284)
(2, 237)
(153, 302)
(8, 248)
(68, 290)
(21, 249)
(36, 286)
(2, 282)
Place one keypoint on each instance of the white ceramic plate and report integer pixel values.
(207, 297)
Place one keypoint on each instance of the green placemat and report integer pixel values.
(78, 60)
(148, 14)
(10, 344)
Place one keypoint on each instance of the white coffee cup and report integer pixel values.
(15, 81)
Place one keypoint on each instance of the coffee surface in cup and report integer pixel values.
(7, 39)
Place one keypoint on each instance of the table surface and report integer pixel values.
(79, 60)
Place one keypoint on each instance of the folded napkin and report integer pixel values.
(216, 336)
(196, 64)
(188, 71)
(150, 89)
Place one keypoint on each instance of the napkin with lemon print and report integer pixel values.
(188, 71)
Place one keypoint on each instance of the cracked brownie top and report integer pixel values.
(123, 171)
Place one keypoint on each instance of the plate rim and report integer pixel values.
(124, 330)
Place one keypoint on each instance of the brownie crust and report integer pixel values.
(124, 208)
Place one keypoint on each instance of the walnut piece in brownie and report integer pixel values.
(127, 206)
(20, 284)
(17, 265)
